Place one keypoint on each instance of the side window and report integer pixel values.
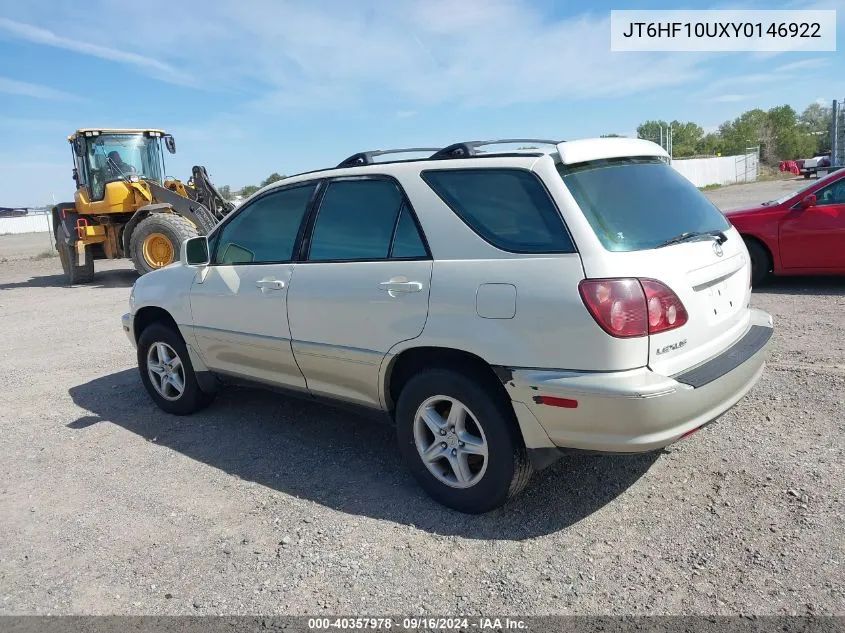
(832, 194)
(509, 208)
(406, 240)
(356, 221)
(97, 178)
(81, 171)
(266, 230)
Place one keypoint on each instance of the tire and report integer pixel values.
(164, 392)
(162, 228)
(487, 482)
(761, 263)
(75, 273)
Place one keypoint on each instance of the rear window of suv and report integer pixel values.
(509, 208)
(637, 204)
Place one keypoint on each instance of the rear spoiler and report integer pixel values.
(581, 151)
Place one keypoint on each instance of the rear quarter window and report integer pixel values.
(509, 208)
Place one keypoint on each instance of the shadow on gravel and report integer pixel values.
(102, 279)
(832, 285)
(346, 462)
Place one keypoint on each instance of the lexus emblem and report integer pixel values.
(717, 248)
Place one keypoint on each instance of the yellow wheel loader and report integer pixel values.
(124, 206)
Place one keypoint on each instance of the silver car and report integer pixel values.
(497, 305)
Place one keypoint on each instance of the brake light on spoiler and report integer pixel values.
(630, 307)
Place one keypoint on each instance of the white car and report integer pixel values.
(496, 306)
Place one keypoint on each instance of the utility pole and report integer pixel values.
(835, 150)
(670, 141)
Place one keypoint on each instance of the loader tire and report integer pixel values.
(157, 240)
(75, 273)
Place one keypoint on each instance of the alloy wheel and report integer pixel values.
(166, 371)
(450, 441)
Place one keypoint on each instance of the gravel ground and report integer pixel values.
(25, 246)
(754, 193)
(266, 505)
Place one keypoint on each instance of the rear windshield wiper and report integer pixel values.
(690, 236)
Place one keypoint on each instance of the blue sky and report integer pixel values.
(249, 87)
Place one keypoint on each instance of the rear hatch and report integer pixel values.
(652, 223)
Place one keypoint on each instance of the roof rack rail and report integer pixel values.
(468, 148)
(366, 158)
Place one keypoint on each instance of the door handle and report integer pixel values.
(400, 286)
(270, 284)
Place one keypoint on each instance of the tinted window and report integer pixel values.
(266, 230)
(407, 241)
(637, 204)
(355, 221)
(509, 208)
(832, 194)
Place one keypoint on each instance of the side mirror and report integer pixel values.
(169, 143)
(195, 251)
(807, 202)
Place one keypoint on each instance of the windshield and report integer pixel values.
(637, 204)
(121, 156)
(783, 199)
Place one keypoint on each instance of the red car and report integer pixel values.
(802, 233)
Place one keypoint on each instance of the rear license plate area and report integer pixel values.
(722, 301)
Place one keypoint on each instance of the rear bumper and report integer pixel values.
(639, 410)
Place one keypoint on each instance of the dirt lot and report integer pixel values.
(266, 505)
(754, 193)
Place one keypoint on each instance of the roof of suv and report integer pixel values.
(566, 152)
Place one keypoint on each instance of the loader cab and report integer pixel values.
(105, 156)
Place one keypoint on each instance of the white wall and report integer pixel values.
(35, 223)
(718, 170)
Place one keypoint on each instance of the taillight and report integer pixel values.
(631, 307)
(665, 310)
(617, 305)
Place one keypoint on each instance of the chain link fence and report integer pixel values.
(748, 165)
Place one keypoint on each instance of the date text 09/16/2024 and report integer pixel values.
(419, 623)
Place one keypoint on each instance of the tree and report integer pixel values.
(711, 144)
(779, 132)
(225, 191)
(750, 128)
(612, 136)
(776, 132)
(685, 138)
(817, 121)
(247, 191)
(650, 130)
(784, 140)
(816, 117)
(274, 177)
(790, 140)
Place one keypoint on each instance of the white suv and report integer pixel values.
(496, 306)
